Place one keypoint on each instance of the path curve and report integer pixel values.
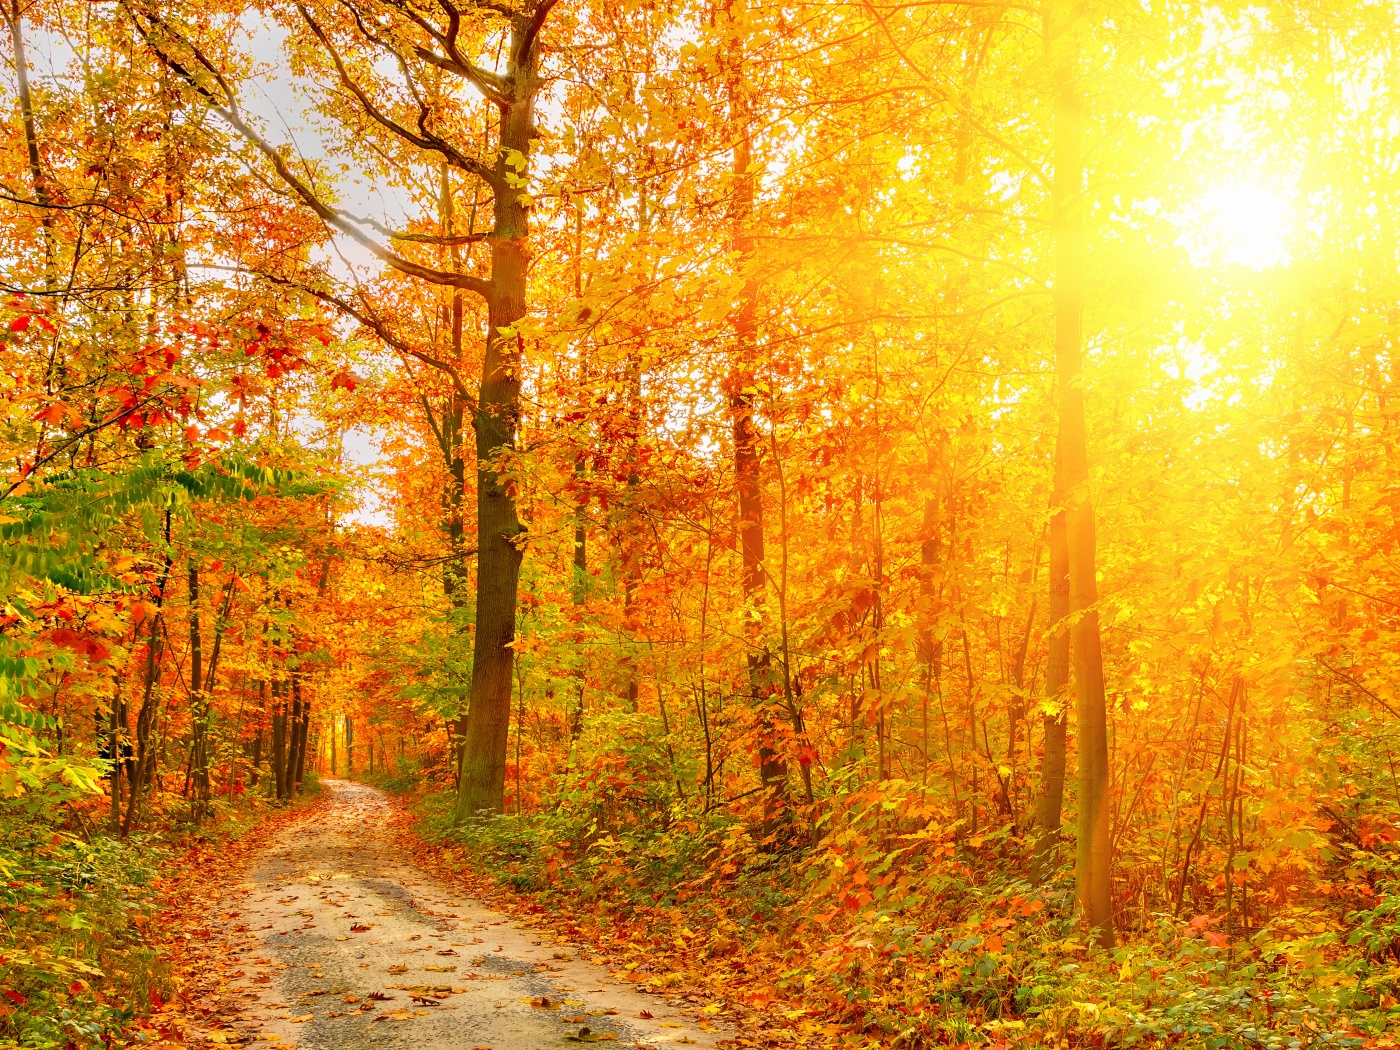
(335, 915)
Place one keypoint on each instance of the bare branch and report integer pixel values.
(423, 139)
(227, 107)
(492, 85)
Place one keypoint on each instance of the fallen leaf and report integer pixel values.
(646, 1015)
(303, 1017)
(585, 1035)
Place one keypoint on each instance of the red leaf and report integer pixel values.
(344, 379)
(19, 324)
(80, 644)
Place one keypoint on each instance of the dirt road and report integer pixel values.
(342, 944)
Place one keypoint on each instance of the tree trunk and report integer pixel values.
(279, 740)
(1093, 846)
(38, 182)
(580, 595)
(142, 769)
(199, 703)
(486, 735)
(256, 770)
(297, 766)
(1050, 802)
(747, 470)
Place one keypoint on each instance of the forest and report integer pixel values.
(875, 523)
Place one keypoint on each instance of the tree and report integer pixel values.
(410, 111)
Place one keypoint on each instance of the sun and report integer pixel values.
(1238, 224)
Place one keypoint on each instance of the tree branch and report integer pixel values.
(423, 139)
(526, 45)
(227, 107)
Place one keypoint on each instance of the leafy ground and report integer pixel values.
(101, 940)
(888, 934)
(893, 934)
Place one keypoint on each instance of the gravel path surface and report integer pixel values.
(345, 944)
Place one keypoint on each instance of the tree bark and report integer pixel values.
(279, 740)
(486, 735)
(1050, 802)
(1093, 846)
(39, 183)
(143, 768)
(748, 480)
(199, 703)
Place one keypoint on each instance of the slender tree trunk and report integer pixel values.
(930, 586)
(1093, 849)
(256, 771)
(199, 705)
(279, 740)
(39, 184)
(580, 595)
(143, 768)
(1050, 802)
(303, 728)
(747, 470)
(206, 694)
(119, 730)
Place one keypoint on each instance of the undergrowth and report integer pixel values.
(78, 960)
(903, 928)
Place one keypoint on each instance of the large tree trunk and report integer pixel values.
(486, 736)
(1093, 845)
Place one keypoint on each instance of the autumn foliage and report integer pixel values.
(891, 506)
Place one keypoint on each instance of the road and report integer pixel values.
(341, 942)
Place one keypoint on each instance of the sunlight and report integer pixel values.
(1238, 224)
